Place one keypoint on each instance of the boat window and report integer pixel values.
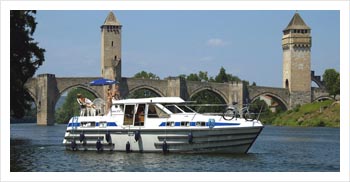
(170, 123)
(103, 124)
(119, 107)
(129, 114)
(185, 123)
(186, 109)
(155, 112)
(173, 109)
(200, 123)
(88, 124)
(140, 115)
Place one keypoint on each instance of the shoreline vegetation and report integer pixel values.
(317, 114)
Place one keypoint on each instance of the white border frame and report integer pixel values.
(341, 5)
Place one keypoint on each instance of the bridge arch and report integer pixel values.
(83, 86)
(218, 92)
(322, 98)
(279, 99)
(147, 87)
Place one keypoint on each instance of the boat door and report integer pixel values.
(134, 114)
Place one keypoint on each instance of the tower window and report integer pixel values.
(287, 84)
(112, 43)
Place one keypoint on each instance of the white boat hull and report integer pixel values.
(223, 140)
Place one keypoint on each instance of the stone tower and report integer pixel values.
(296, 44)
(111, 48)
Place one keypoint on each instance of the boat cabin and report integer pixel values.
(136, 111)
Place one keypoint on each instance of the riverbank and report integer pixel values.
(318, 114)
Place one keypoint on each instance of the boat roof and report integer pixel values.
(150, 100)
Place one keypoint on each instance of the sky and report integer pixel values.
(247, 43)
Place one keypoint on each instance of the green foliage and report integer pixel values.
(259, 105)
(326, 113)
(260, 109)
(193, 77)
(25, 59)
(201, 76)
(223, 77)
(331, 79)
(146, 75)
(71, 107)
(208, 97)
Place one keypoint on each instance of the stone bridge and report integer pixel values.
(229, 92)
(46, 89)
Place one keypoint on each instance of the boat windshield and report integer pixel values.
(172, 108)
(186, 109)
(179, 109)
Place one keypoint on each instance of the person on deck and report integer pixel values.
(116, 93)
(109, 100)
(86, 106)
(82, 104)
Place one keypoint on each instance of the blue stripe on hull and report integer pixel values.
(97, 124)
(206, 124)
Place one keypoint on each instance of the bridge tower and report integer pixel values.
(111, 48)
(296, 44)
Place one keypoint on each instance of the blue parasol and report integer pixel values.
(102, 81)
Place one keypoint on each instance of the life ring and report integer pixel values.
(211, 123)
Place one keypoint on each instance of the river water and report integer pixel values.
(277, 149)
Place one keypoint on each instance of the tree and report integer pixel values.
(25, 58)
(203, 76)
(146, 75)
(331, 79)
(70, 106)
(193, 77)
(222, 76)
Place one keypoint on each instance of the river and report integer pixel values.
(277, 149)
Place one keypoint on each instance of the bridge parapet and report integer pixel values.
(129, 85)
